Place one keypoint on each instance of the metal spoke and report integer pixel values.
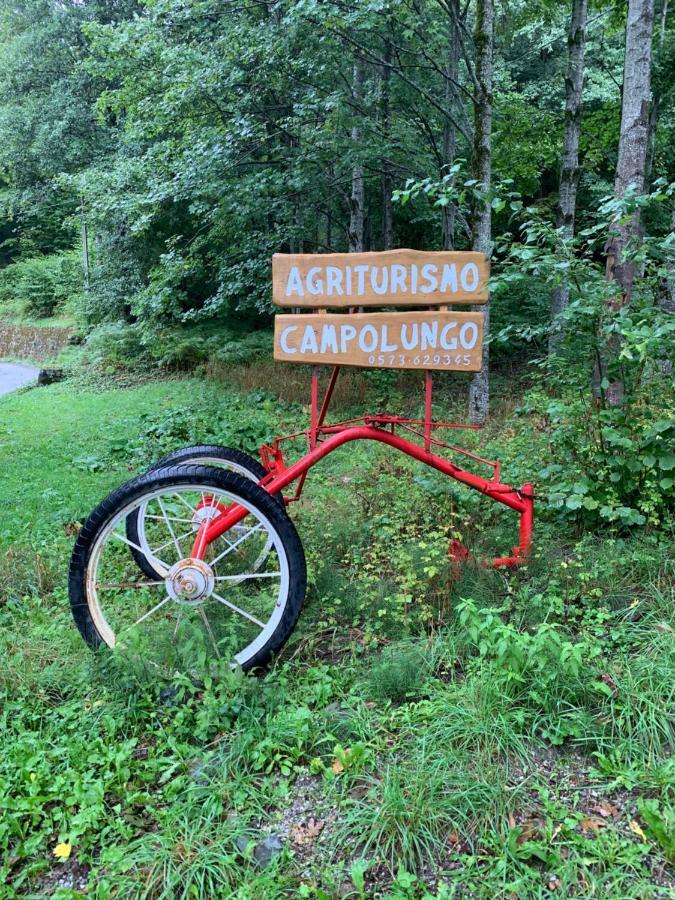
(173, 518)
(207, 625)
(161, 566)
(249, 575)
(168, 543)
(236, 609)
(179, 552)
(151, 611)
(178, 621)
(182, 499)
(236, 544)
(120, 585)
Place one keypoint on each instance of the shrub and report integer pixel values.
(398, 674)
(41, 285)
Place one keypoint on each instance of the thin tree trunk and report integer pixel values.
(85, 255)
(569, 170)
(449, 131)
(357, 199)
(654, 108)
(479, 390)
(630, 171)
(387, 176)
(664, 16)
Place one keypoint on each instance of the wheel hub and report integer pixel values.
(208, 509)
(190, 582)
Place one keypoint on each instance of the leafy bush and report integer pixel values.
(115, 344)
(609, 465)
(41, 285)
(180, 348)
(398, 675)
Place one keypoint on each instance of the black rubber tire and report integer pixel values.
(219, 479)
(187, 456)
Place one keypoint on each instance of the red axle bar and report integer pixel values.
(522, 501)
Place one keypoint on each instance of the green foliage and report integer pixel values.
(619, 462)
(398, 675)
(41, 286)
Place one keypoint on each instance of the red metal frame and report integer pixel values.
(323, 439)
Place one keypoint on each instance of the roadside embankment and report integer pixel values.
(32, 343)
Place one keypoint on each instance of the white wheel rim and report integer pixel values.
(238, 468)
(273, 542)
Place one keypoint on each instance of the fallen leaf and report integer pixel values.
(607, 810)
(635, 828)
(554, 883)
(62, 851)
(307, 834)
(512, 821)
(454, 838)
(337, 766)
(611, 684)
(592, 823)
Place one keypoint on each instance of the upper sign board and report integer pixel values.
(389, 278)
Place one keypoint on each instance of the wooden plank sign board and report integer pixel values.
(450, 341)
(389, 278)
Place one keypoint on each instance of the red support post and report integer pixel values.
(428, 387)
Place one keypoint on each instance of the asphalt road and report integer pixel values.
(13, 376)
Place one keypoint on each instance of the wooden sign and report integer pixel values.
(390, 278)
(451, 341)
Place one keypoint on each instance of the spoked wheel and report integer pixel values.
(201, 455)
(229, 606)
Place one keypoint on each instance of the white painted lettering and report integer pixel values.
(294, 283)
(398, 276)
(448, 343)
(360, 284)
(385, 346)
(333, 281)
(429, 274)
(429, 335)
(314, 284)
(409, 343)
(379, 288)
(468, 342)
(309, 341)
(283, 339)
(469, 277)
(449, 278)
(368, 331)
(347, 334)
(329, 339)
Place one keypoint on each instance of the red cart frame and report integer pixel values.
(323, 439)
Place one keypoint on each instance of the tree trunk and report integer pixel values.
(449, 132)
(357, 199)
(387, 177)
(630, 171)
(569, 170)
(479, 390)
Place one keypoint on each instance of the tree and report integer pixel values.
(630, 176)
(479, 390)
(569, 170)
(357, 203)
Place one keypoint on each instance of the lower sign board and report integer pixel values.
(451, 341)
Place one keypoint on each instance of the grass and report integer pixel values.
(504, 734)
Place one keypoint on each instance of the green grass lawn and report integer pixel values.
(421, 735)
